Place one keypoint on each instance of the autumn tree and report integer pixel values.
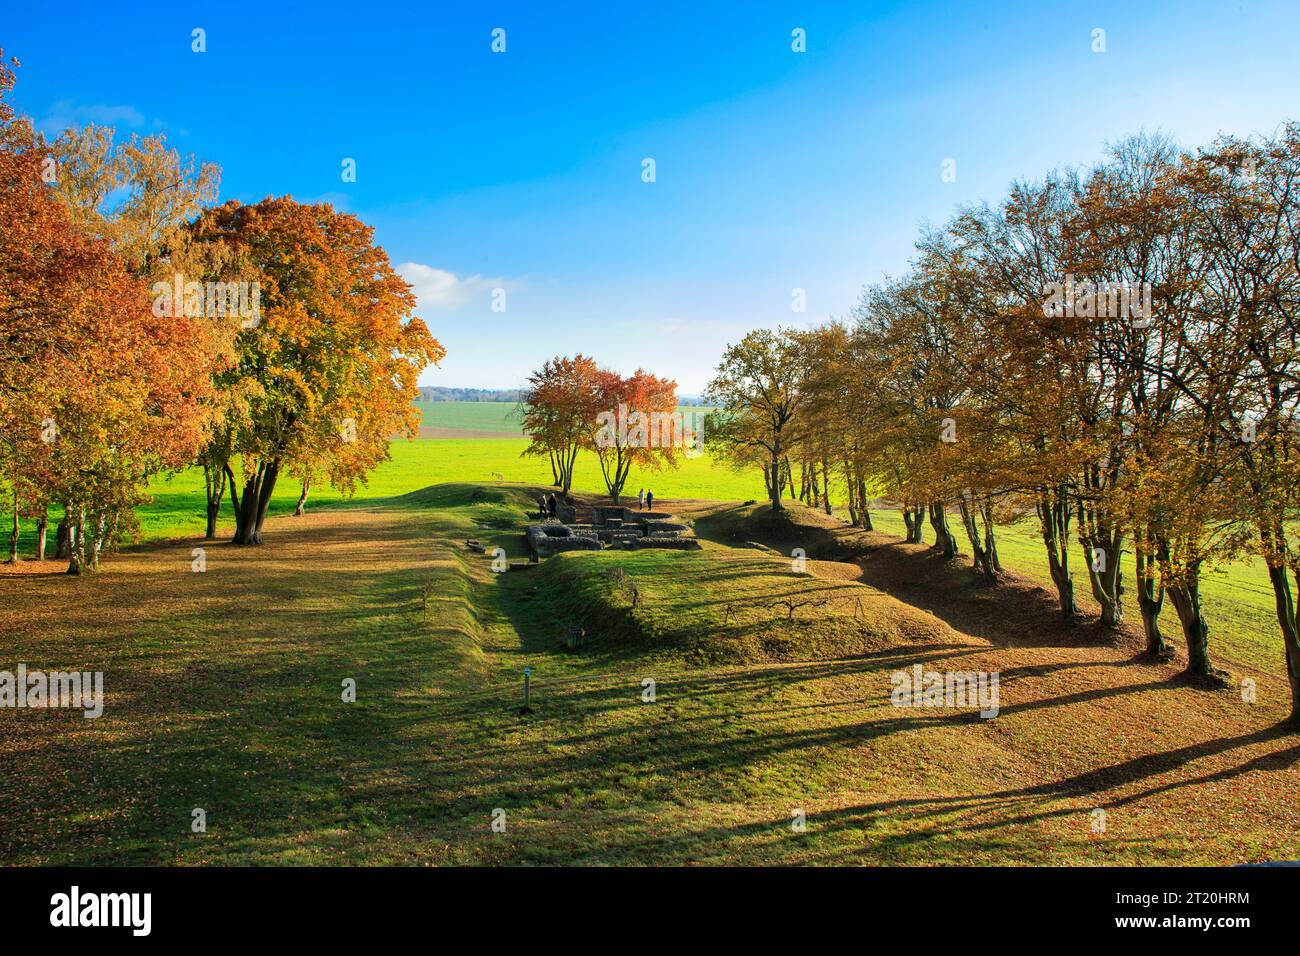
(1242, 197)
(558, 410)
(756, 387)
(96, 393)
(637, 425)
(328, 370)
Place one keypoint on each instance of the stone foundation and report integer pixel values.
(625, 529)
(551, 538)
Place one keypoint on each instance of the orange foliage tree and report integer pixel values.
(96, 393)
(327, 371)
(558, 409)
(636, 425)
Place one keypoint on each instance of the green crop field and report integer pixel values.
(177, 505)
(470, 416)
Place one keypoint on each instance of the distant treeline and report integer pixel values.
(438, 393)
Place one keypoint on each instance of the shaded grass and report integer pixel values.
(1237, 598)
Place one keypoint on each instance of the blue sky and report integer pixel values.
(775, 170)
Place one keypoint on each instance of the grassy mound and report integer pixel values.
(822, 536)
(723, 605)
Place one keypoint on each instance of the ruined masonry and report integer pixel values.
(616, 527)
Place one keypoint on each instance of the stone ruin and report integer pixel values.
(624, 529)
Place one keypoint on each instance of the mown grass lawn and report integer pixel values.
(224, 692)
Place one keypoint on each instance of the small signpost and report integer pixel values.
(528, 673)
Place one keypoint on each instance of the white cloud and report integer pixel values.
(65, 113)
(441, 291)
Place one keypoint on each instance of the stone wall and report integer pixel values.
(626, 529)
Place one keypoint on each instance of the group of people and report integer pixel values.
(547, 504)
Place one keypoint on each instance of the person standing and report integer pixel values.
(640, 500)
(650, 500)
(551, 504)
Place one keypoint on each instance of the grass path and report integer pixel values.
(224, 693)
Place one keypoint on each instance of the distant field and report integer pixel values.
(483, 417)
(471, 416)
(177, 507)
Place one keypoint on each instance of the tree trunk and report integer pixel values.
(76, 542)
(778, 482)
(99, 538)
(826, 487)
(213, 512)
(302, 498)
(254, 502)
(914, 518)
(1284, 604)
(41, 526)
(1102, 553)
(214, 484)
(566, 472)
(1151, 599)
(864, 503)
(855, 502)
(1186, 597)
(983, 543)
(967, 512)
(616, 482)
(216, 493)
(13, 536)
(991, 556)
(945, 541)
(62, 536)
(1054, 523)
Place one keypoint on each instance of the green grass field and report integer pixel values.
(485, 416)
(1238, 599)
(177, 506)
